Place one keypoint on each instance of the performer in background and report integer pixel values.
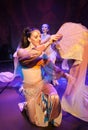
(51, 53)
(8, 77)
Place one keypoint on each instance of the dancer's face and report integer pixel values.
(35, 37)
(45, 28)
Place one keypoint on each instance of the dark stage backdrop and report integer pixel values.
(17, 14)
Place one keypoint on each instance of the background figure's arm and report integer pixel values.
(55, 71)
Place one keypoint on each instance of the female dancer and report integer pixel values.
(43, 103)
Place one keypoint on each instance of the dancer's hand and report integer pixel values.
(56, 37)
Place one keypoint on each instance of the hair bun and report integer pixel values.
(26, 31)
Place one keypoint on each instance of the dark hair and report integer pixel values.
(26, 33)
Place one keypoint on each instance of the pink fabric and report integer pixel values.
(75, 98)
(74, 37)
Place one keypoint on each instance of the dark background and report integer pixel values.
(17, 14)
